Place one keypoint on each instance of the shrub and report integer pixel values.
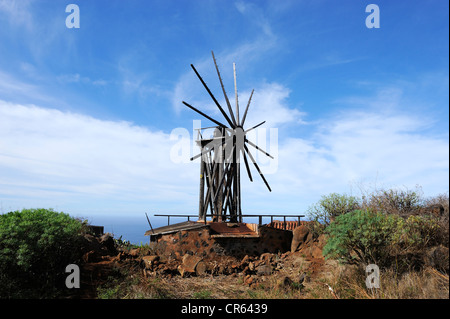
(442, 202)
(365, 237)
(35, 247)
(360, 237)
(331, 206)
(394, 201)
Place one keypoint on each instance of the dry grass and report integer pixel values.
(330, 281)
(424, 284)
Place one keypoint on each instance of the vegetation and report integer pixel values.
(35, 247)
(327, 209)
(367, 237)
(402, 232)
(331, 206)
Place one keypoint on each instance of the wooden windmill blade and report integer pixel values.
(224, 92)
(212, 96)
(220, 157)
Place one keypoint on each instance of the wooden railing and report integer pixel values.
(259, 216)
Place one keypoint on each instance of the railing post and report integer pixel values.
(260, 220)
(284, 222)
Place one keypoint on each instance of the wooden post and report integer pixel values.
(201, 215)
(234, 209)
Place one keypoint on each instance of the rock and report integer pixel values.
(91, 256)
(264, 270)
(107, 241)
(182, 271)
(302, 278)
(267, 257)
(285, 255)
(192, 264)
(300, 262)
(299, 236)
(150, 261)
(316, 252)
(121, 256)
(245, 261)
(201, 268)
(438, 257)
(321, 241)
(134, 252)
(248, 280)
(284, 282)
(189, 262)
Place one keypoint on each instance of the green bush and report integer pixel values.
(359, 237)
(365, 237)
(35, 247)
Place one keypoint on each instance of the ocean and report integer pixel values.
(133, 228)
(130, 228)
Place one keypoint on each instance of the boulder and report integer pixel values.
(201, 268)
(107, 241)
(189, 262)
(264, 270)
(299, 236)
(192, 264)
(438, 257)
(150, 261)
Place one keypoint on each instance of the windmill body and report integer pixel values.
(220, 158)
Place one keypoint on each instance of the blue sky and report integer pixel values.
(86, 114)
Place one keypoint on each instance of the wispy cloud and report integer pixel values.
(17, 12)
(245, 54)
(77, 78)
(255, 14)
(70, 157)
(381, 142)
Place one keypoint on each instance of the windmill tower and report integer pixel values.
(220, 158)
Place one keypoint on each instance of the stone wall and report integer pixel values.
(201, 243)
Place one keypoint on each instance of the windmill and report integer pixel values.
(221, 158)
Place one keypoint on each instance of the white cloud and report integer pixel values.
(51, 156)
(269, 104)
(386, 148)
(65, 157)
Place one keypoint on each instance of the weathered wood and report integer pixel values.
(201, 204)
(220, 158)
